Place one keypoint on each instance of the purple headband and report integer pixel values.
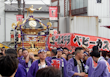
(42, 50)
(60, 49)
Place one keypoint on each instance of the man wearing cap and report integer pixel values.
(38, 64)
(63, 62)
(90, 63)
(103, 67)
(75, 66)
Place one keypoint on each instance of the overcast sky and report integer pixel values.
(33, 1)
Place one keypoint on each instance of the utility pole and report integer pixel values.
(23, 9)
(19, 7)
(58, 18)
(64, 8)
(69, 7)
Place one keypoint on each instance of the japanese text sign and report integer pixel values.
(62, 40)
(77, 40)
(53, 13)
(19, 17)
(90, 41)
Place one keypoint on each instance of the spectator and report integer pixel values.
(48, 72)
(20, 54)
(75, 66)
(64, 56)
(69, 56)
(103, 54)
(38, 64)
(8, 66)
(73, 53)
(108, 54)
(3, 50)
(66, 51)
(21, 71)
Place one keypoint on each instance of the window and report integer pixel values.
(99, 1)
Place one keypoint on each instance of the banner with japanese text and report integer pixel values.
(72, 40)
(90, 41)
(62, 40)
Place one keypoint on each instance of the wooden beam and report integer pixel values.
(53, 0)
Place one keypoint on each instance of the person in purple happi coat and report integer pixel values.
(103, 67)
(90, 63)
(38, 64)
(57, 62)
(63, 62)
(75, 66)
(27, 59)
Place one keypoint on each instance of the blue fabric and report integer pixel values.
(71, 68)
(65, 64)
(102, 69)
(34, 68)
(109, 61)
(90, 64)
(21, 71)
(23, 62)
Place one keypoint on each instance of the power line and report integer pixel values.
(7, 17)
(45, 3)
(17, 8)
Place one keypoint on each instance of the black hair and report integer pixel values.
(65, 48)
(73, 53)
(54, 51)
(8, 65)
(11, 52)
(104, 53)
(19, 49)
(95, 54)
(23, 50)
(48, 72)
(2, 48)
(69, 55)
(95, 48)
(108, 54)
(78, 49)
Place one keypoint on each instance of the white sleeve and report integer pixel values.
(86, 68)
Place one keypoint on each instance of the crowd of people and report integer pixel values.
(61, 63)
